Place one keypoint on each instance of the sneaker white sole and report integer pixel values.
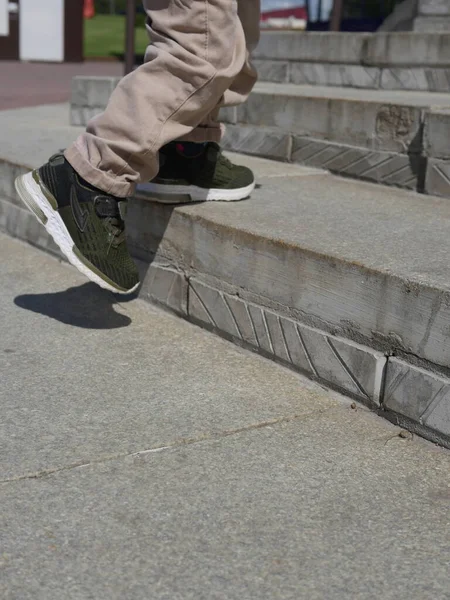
(33, 197)
(181, 194)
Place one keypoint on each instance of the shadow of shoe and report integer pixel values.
(86, 306)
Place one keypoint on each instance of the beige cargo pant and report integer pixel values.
(198, 61)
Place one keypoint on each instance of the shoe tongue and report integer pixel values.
(105, 206)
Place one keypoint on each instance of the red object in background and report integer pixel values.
(285, 13)
(89, 9)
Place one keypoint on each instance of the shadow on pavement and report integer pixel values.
(86, 306)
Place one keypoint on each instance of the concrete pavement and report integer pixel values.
(31, 84)
(145, 458)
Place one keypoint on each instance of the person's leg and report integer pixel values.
(194, 169)
(249, 12)
(197, 49)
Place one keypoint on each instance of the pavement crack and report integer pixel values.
(209, 436)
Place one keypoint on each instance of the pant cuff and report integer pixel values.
(200, 134)
(106, 182)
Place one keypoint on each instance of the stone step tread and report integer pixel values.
(398, 97)
(33, 134)
(396, 232)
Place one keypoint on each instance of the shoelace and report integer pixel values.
(117, 229)
(113, 216)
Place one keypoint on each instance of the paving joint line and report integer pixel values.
(206, 437)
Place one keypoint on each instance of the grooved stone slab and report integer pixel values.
(20, 223)
(355, 369)
(262, 141)
(312, 47)
(418, 394)
(408, 49)
(438, 177)
(402, 170)
(356, 76)
(416, 78)
(437, 133)
(8, 174)
(273, 70)
(164, 286)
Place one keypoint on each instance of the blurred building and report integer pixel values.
(41, 30)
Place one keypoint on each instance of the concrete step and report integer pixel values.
(388, 61)
(434, 16)
(376, 135)
(368, 134)
(345, 281)
(432, 24)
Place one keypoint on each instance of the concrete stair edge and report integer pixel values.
(391, 138)
(176, 280)
(401, 78)
(396, 49)
(389, 61)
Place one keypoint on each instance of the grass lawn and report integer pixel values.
(104, 35)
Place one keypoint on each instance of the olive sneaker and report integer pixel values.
(206, 176)
(86, 223)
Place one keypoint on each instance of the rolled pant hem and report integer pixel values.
(104, 181)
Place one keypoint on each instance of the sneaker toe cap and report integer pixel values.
(243, 177)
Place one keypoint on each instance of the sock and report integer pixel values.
(190, 149)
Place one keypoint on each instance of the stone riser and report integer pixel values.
(375, 125)
(392, 61)
(407, 394)
(426, 79)
(387, 168)
(399, 145)
(381, 50)
(408, 171)
(432, 24)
